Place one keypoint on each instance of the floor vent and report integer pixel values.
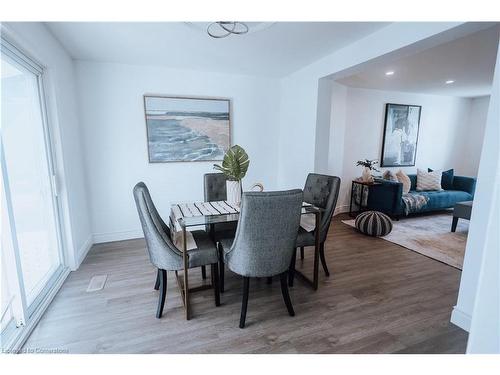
(97, 283)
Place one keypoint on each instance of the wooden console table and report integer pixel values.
(364, 189)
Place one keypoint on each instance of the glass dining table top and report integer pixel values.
(193, 221)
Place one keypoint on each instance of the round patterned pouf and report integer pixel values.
(373, 223)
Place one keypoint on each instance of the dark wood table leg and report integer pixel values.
(215, 282)
(350, 202)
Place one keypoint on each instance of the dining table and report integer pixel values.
(190, 216)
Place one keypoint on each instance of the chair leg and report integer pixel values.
(302, 252)
(286, 295)
(157, 282)
(214, 272)
(454, 224)
(203, 272)
(291, 270)
(221, 268)
(244, 302)
(323, 260)
(163, 292)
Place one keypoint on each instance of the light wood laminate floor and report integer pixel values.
(380, 298)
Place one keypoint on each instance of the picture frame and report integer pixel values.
(400, 137)
(186, 128)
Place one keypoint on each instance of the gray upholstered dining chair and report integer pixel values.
(321, 191)
(214, 185)
(164, 255)
(265, 240)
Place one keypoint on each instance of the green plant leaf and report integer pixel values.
(235, 163)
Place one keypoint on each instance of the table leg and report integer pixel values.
(350, 202)
(211, 232)
(186, 284)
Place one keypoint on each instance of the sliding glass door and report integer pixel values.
(31, 243)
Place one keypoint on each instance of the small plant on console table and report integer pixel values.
(368, 166)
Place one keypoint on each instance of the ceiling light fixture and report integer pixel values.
(223, 29)
(449, 82)
(389, 73)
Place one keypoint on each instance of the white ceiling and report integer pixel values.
(469, 61)
(275, 50)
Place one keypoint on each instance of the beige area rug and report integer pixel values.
(430, 235)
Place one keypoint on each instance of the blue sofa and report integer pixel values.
(387, 196)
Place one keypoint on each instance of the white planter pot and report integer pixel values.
(233, 190)
(366, 176)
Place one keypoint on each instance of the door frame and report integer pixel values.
(31, 313)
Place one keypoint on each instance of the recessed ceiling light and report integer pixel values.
(449, 82)
(389, 73)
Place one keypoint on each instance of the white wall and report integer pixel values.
(444, 132)
(59, 82)
(115, 146)
(337, 129)
(324, 113)
(299, 91)
(478, 301)
(473, 142)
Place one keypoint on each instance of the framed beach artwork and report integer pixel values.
(187, 129)
(399, 145)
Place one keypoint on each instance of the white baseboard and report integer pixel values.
(341, 209)
(83, 251)
(461, 319)
(118, 236)
(23, 333)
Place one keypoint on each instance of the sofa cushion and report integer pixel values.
(405, 180)
(388, 175)
(442, 199)
(428, 180)
(413, 180)
(446, 178)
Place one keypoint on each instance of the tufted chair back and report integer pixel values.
(266, 234)
(215, 187)
(162, 252)
(322, 191)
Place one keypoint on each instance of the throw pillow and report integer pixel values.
(446, 179)
(388, 175)
(428, 180)
(405, 180)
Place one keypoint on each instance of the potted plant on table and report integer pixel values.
(234, 166)
(369, 166)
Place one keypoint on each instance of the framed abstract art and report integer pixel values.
(399, 144)
(187, 128)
